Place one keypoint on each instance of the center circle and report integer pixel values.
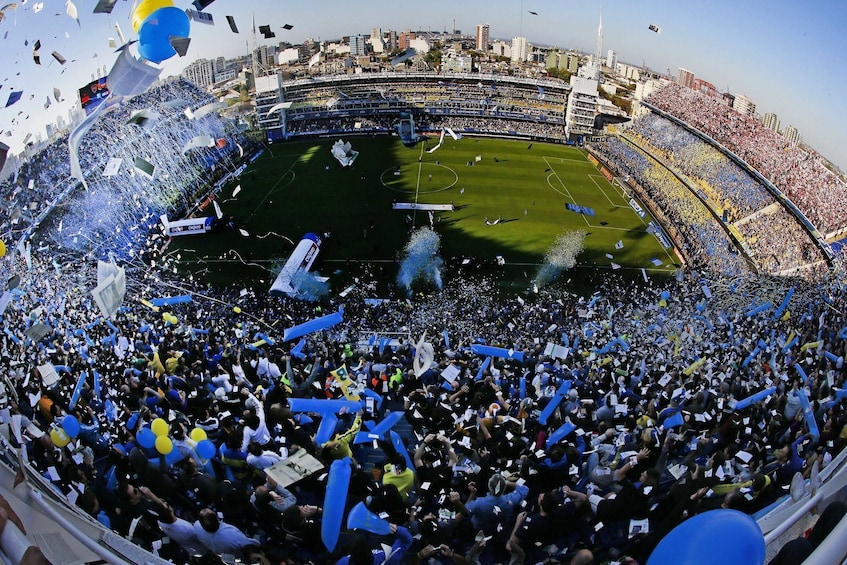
(422, 178)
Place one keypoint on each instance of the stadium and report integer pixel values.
(532, 346)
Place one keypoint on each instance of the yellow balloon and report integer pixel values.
(164, 445)
(2, 248)
(59, 437)
(198, 434)
(159, 427)
(237, 310)
(144, 9)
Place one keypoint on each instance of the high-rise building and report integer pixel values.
(744, 105)
(685, 78)
(573, 62)
(482, 31)
(220, 65)
(791, 135)
(376, 32)
(404, 40)
(200, 72)
(520, 49)
(391, 40)
(357, 45)
(770, 121)
(611, 59)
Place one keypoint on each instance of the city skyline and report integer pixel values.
(784, 60)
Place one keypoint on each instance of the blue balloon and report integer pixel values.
(154, 37)
(206, 449)
(146, 438)
(693, 541)
(71, 425)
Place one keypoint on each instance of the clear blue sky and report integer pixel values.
(787, 56)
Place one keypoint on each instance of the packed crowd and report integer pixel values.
(107, 216)
(638, 434)
(800, 174)
(705, 242)
(733, 193)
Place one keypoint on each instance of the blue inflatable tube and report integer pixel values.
(380, 429)
(360, 518)
(446, 339)
(77, 390)
(297, 350)
(560, 434)
(554, 402)
(314, 325)
(759, 309)
(168, 301)
(784, 304)
(326, 429)
(750, 357)
(322, 407)
(335, 498)
(809, 414)
(400, 447)
(831, 356)
(801, 372)
(482, 368)
(753, 398)
(497, 352)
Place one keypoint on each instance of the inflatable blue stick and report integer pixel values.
(554, 402)
(482, 368)
(784, 304)
(831, 356)
(383, 343)
(60, 368)
(336, 496)
(168, 301)
(371, 394)
(497, 352)
(263, 337)
(565, 341)
(809, 414)
(377, 431)
(314, 325)
(446, 339)
(400, 447)
(77, 390)
(326, 429)
(801, 372)
(297, 350)
(522, 387)
(360, 518)
(96, 384)
(560, 433)
(753, 398)
(322, 407)
(759, 309)
(750, 357)
(575, 342)
(112, 326)
(843, 333)
(790, 344)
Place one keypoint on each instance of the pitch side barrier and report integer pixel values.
(775, 192)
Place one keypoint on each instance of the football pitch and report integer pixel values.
(509, 200)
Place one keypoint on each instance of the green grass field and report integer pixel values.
(298, 187)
